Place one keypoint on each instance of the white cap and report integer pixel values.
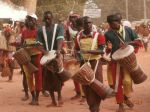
(33, 16)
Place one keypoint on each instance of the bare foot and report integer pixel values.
(45, 94)
(60, 103)
(9, 80)
(121, 108)
(82, 101)
(52, 105)
(25, 98)
(75, 97)
(32, 102)
(129, 103)
(36, 103)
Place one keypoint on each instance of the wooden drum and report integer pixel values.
(86, 76)
(127, 58)
(3, 42)
(23, 58)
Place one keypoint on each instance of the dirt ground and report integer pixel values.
(11, 94)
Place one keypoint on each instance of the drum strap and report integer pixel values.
(120, 37)
(97, 62)
(45, 37)
(93, 43)
(92, 47)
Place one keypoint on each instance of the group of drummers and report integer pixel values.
(40, 54)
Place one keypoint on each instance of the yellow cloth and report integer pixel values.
(120, 30)
(127, 81)
(81, 90)
(109, 75)
(31, 50)
(29, 77)
(86, 44)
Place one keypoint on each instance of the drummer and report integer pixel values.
(7, 54)
(51, 82)
(83, 43)
(115, 37)
(29, 36)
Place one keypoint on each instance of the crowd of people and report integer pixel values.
(80, 38)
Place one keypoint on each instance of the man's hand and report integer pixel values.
(109, 45)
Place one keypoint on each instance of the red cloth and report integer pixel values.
(77, 87)
(29, 34)
(8, 29)
(136, 44)
(38, 74)
(119, 94)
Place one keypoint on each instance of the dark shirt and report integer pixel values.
(49, 32)
(112, 36)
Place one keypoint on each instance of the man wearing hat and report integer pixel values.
(116, 37)
(29, 36)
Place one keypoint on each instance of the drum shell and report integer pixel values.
(6, 72)
(85, 74)
(14, 64)
(64, 75)
(129, 62)
(12, 39)
(102, 90)
(3, 42)
(138, 76)
(71, 65)
(22, 56)
(31, 67)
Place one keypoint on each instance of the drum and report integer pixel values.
(12, 39)
(3, 42)
(23, 58)
(138, 75)
(64, 75)
(1, 60)
(127, 58)
(14, 64)
(56, 66)
(85, 76)
(6, 71)
(48, 57)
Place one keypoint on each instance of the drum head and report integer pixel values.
(123, 52)
(48, 57)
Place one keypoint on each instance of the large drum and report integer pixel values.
(48, 57)
(23, 58)
(12, 39)
(127, 58)
(86, 76)
(56, 66)
(3, 42)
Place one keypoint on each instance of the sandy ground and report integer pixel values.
(11, 94)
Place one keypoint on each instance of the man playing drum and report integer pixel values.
(46, 35)
(83, 43)
(29, 36)
(116, 37)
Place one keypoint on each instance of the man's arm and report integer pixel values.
(60, 38)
